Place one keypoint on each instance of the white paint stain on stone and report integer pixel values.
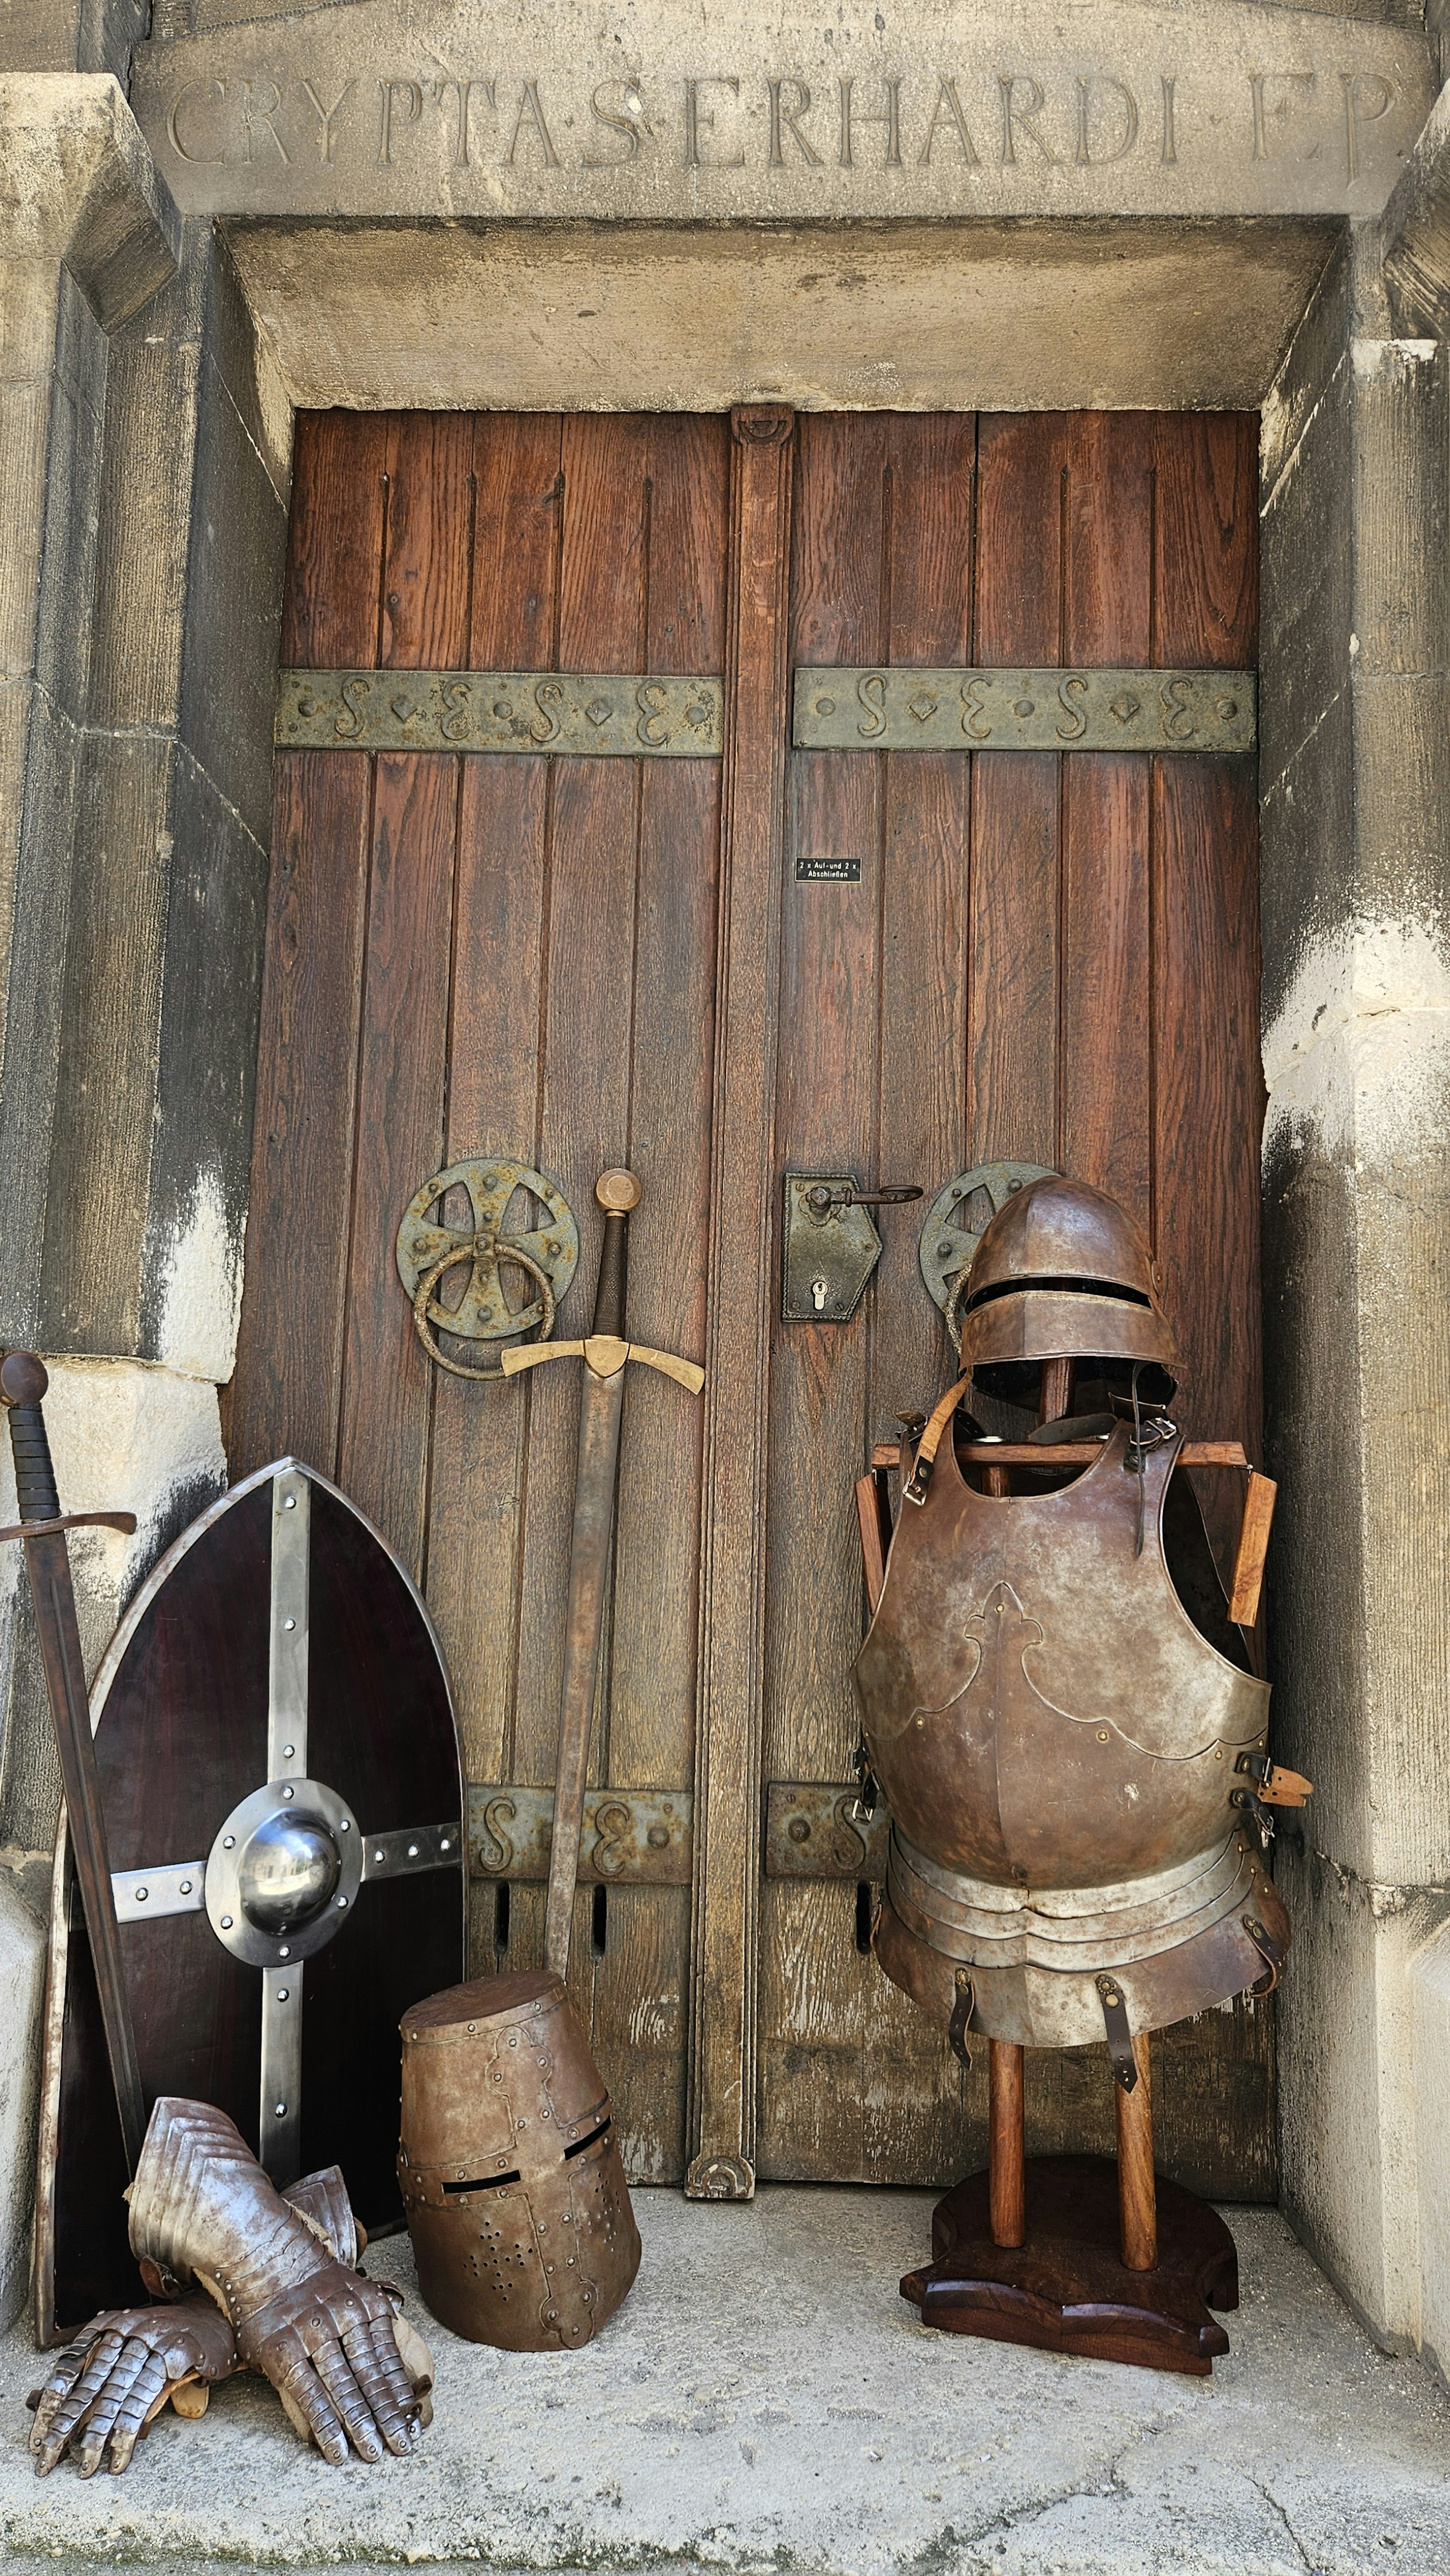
(124, 1436)
(1389, 362)
(1359, 1051)
(201, 1289)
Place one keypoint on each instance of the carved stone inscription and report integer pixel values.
(691, 107)
(907, 709)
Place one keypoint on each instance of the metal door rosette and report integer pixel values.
(546, 1253)
(956, 1221)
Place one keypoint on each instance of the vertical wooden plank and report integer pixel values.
(1215, 2089)
(480, 1434)
(1012, 1073)
(584, 1055)
(330, 609)
(922, 2117)
(641, 1982)
(1210, 1095)
(813, 1988)
(742, 1200)
(286, 1390)
(1105, 1114)
(387, 1378)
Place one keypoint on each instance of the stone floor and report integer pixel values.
(766, 2401)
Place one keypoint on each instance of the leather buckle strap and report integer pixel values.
(961, 2020)
(1272, 1953)
(1119, 2036)
(915, 1490)
(1276, 1787)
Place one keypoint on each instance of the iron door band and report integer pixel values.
(901, 708)
(637, 714)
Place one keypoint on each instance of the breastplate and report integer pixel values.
(1057, 1742)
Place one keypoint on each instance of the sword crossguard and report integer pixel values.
(606, 1355)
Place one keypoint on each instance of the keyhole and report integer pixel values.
(819, 1294)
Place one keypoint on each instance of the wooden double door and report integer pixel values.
(718, 968)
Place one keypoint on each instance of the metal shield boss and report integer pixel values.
(510, 2175)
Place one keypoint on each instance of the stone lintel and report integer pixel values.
(729, 110)
(81, 188)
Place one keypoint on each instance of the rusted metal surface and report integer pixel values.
(628, 1838)
(639, 715)
(509, 2167)
(1058, 1741)
(428, 1252)
(813, 1830)
(1062, 1269)
(956, 1221)
(907, 709)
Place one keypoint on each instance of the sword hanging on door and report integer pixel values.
(605, 1355)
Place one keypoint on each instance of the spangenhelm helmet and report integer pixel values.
(1063, 1272)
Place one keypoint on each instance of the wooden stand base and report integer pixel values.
(1067, 2288)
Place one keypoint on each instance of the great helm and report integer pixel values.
(1064, 1272)
(509, 2167)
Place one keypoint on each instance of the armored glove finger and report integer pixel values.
(329, 2347)
(119, 2372)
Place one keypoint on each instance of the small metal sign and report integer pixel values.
(904, 709)
(636, 715)
(828, 871)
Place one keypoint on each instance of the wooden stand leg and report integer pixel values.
(1006, 2137)
(1137, 2192)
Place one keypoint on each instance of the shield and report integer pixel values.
(281, 1781)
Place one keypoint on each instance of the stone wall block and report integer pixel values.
(145, 503)
(1430, 2012)
(233, 606)
(246, 361)
(191, 1274)
(83, 188)
(105, 1093)
(1348, 2076)
(71, 516)
(36, 925)
(22, 1982)
(25, 409)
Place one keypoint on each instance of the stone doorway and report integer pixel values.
(971, 954)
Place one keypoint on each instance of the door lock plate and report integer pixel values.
(831, 1248)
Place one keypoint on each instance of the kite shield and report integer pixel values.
(281, 1782)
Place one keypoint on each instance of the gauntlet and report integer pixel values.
(203, 2211)
(118, 2373)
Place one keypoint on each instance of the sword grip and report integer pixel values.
(617, 1192)
(23, 1381)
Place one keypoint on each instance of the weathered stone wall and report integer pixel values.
(1355, 769)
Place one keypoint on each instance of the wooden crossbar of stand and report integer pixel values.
(1069, 1453)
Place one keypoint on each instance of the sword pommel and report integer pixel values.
(618, 1192)
(23, 1381)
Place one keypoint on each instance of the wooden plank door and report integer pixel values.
(590, 960)
(506, 956)
(1046, 958)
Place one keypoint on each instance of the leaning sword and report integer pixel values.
(42, 1527)
(601, 1398)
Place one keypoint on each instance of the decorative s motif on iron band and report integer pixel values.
(656, 713)
(905, 709)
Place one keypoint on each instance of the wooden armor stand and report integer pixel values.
(1073, 2253)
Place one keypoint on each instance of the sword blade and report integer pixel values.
(601, 1402)
(48, 1565)
(47, 1562)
